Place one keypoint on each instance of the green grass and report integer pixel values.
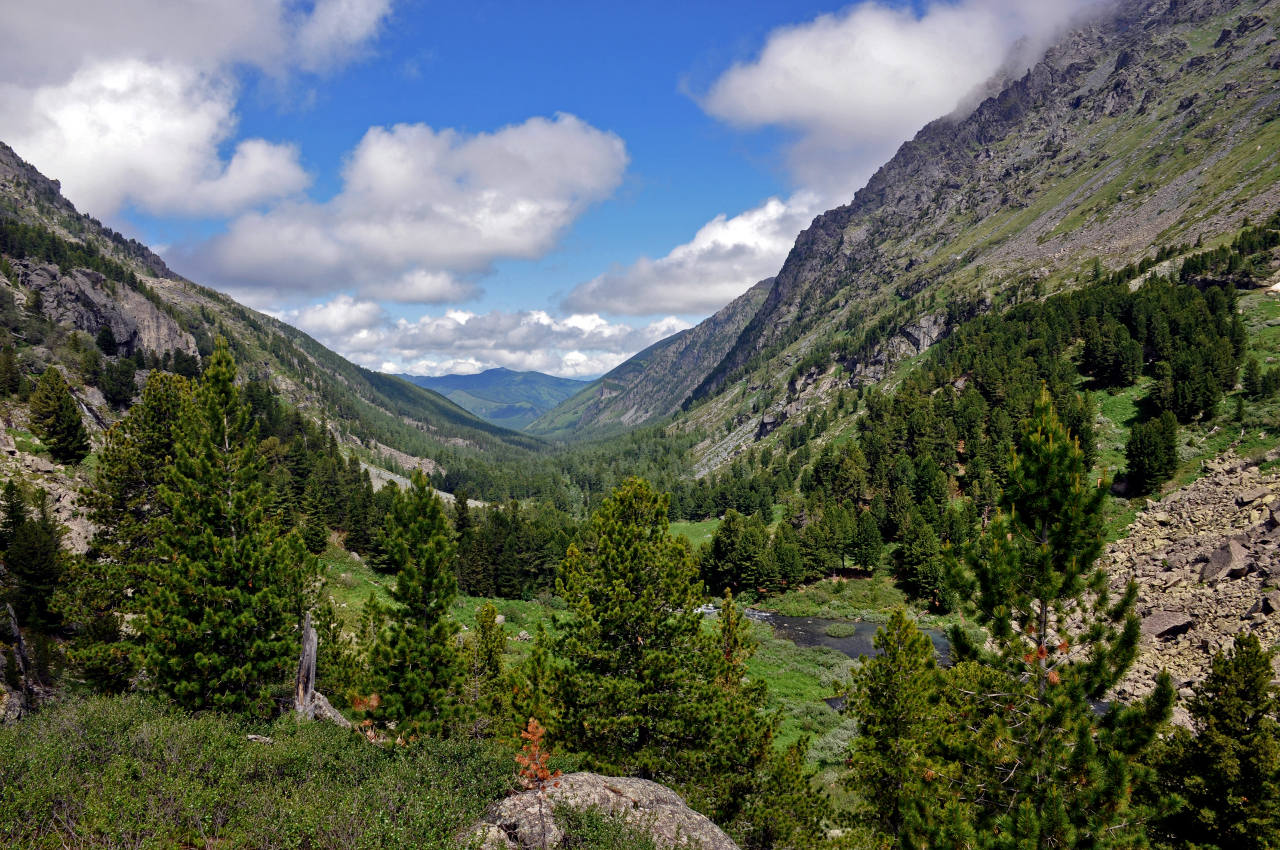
(349, 582)
(839, 599)
(799, 679)
(696, 533)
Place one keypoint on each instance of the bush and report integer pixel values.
(127, 771)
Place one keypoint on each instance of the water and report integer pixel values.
(812, 631)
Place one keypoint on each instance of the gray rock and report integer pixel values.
(1224, 559)
(1253, 494)
(87, 301)
(1166, 625)
(525, 820)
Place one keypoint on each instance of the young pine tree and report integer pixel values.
(416, 669)
(227, 587)
(124, 504)
(893, 695)
(1052, 773)
(55, 418)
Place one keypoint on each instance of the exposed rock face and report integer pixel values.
(1206, 559)
(85, 300)
(525, 820)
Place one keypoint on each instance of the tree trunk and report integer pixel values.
(305, 684)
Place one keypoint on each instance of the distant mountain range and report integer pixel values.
(502, 396)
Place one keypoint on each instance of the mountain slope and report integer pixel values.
(72, 274)
(655, 382)
(1151, 126)
(502, 396)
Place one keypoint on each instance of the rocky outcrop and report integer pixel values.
(87, 301)
(525, 820)
(1207, 561)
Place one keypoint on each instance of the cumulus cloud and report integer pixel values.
(459, 341)
(856, 84)
(130, 102)
(851, 87)
(48, 41)
(127, 131)
(724, 258)
(420, 206)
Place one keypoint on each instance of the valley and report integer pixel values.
(962, 530)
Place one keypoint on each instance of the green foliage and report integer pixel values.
(641, 689)
(117, 382)
(1043, 770)
(415, 668)
(106, 341)
(738, 556)
(55, 418)
(33, 559)
(110, 772)
(1228, 773)
(1151, 453)
(894, 695)
(227, 586)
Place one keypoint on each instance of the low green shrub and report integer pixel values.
(125, 771)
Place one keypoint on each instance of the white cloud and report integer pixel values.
(460, 341)
(852, 87)
(856, 84)
(130, 102)
(48, 41)
(724, 258)
(127, 131)
(420, 206)
(337, 30)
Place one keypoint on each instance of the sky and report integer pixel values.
(434, 188)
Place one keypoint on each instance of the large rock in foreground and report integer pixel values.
(519, 821)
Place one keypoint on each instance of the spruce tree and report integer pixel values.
(55, 418)
(34, 562)
(228, 587)
(10, 376)
(1051, 773)
(416, 670)
(1228, 773)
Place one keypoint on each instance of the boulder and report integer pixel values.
(1229, 558)
(524, 821)
(1251, 495)
(1268, 604)
(1164, 625)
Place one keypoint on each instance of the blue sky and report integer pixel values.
(435, 187)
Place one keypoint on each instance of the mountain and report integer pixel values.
(502, 396)
(63, 273)
(655, 382)
(1153, 125)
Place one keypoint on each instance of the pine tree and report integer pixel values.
(228, 587)
(124, 504)
(55, 418)
(1151, 453)
(1228, 772)
(416, 670)
(641, 689)
(893, 695)
(1052, 773)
